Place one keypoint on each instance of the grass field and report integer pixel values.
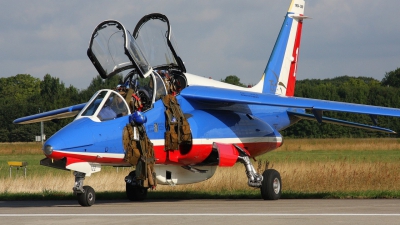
(308, 167)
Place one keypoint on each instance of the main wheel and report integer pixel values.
(88, 197)
(271, 186)
(135, 192)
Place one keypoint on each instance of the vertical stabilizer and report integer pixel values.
(280, 73)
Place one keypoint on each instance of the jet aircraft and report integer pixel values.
(174, 127)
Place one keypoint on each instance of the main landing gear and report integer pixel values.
(269, 182)
(271, 185)
(134, 191)
(86, 195)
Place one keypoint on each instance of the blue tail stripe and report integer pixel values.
(275, 62)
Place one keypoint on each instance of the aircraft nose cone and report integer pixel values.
(76, 134)
(47, 149)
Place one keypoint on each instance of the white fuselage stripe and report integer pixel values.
(199, 214)
(160, 142)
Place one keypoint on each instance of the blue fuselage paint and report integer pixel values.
(206, 122)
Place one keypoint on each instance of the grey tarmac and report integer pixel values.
(221, 211)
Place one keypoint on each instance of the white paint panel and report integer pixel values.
(287, 60)
(180, 175)
(85, 167)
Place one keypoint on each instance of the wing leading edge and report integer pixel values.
(212, 94)
(62, 113)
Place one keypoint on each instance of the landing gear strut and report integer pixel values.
(269, 182)
(254, 179)
(86, 194)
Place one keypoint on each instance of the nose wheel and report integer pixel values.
(86, 195)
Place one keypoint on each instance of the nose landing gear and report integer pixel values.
(86, 194)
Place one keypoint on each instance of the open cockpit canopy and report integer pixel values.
(154, 36)
(148, 57)
(112, 49)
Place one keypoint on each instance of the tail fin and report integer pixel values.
(280, 73)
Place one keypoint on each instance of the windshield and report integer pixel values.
(106, 105)
(91, 109)
(113, 107)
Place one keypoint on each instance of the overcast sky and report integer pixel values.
(215, 38)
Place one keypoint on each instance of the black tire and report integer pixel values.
(134, 192)
(88, 197)
(271, 186)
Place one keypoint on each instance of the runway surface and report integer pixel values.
(316, 211)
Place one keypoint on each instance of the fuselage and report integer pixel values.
(252, 127)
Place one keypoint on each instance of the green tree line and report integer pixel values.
(24, 95)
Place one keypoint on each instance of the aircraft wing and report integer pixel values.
(212, 94)
(341, 122)
(62, 113)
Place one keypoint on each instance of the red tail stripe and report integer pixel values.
(293, 67)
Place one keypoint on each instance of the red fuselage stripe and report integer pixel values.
(196, 155)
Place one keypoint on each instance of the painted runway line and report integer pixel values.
(195, 214)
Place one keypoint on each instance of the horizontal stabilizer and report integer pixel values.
(300, 17)
(340, 122)
(52, 115)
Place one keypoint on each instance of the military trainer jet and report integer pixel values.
(174, 127)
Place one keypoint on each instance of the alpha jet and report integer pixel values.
(174, 127)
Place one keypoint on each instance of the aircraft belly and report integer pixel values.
(175, 175)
